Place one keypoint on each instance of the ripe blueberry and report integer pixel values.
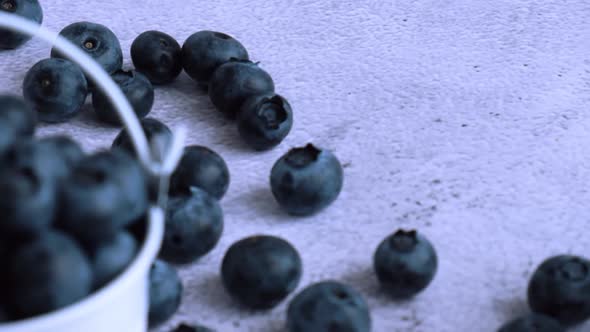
(110, 258)
(204, 51)
(200, 167)
(165, 292)
(306, 180)
(17, 121)
(194, 224)
(234, 82)
(326, 307)
(29, 9)
(156, 132)
(46, 274)
(264, 121)
(532, 323)
(105, 192)
(65, 148)
(183, 327)
(157, 55)
(98, 41)
(405, 263)
(560, 288)
(260, 271)
(138, 90)
(56, 89)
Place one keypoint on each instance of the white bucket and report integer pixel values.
(122, 305)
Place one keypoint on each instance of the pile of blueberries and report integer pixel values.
(72, 222)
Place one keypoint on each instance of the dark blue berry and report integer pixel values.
(28, 201)
(560, 288)
(66, 148)
(234, 82)
(110, 258)
(46, 274)
(183, 327)
(98, 41)
(56, 89)
(158, 56)
(306, 180)
(194, 224)
(156, 132)
(204, 51)
(202, 168)
(532, 323)
(260, 271)
(328, 306)
(264, 121)
(43, 157)
(105, 192)
(405, 263)
(29, 9)
(138, 90)
(165, 292)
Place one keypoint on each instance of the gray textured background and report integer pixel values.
(465, 119)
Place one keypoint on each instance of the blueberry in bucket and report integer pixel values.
(110, 258)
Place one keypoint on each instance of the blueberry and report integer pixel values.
(105, 192)
(183, 327)
(234, 82)
(260, 271)
(202, 168)
(17, 121)
(56, 89)
(264, 121)
(110, 258)
(28, 201)
(532, 323)
(205, 51)
(328, 306)
(156, 132)
(165, 292)
(46, 274)
(306, 180)
(43, 157)
(405, 263)
(98, 41)
(65, 148)
(560, 288)
(29, 9)
(138, 90)
(194, 224)
(158, 56)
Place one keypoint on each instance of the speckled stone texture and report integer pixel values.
(465, 119)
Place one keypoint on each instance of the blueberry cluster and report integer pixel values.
(72, 222)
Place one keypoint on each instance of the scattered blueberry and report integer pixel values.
(264, 121)
(306, 180)
(260, 271)
(560, 288)
(98, 41)
(138, 90)
(28, 201)
(56, 89)
(165, 292)
(234, 82)
(46, 274)
(532, 323)
(405, 263)
(328, 306)
(29, 9)
(105, 192)
(202, 168)
(157, 55)
(65, 147)
(17, 121)
(205, 51)
(110, 258)
(183, 327)
(194, 224)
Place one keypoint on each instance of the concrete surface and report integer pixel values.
(467, 120)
